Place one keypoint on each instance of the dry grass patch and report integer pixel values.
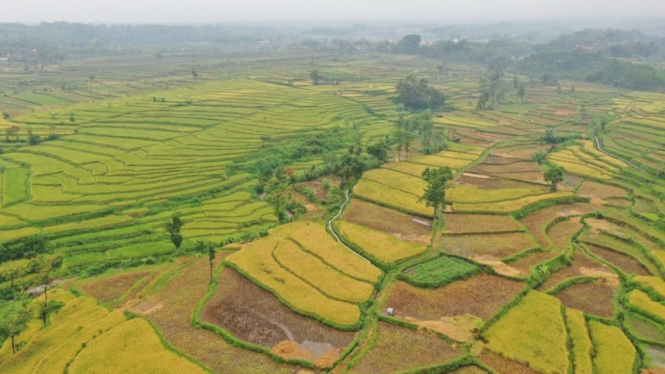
(504, 365)
(391, 222)
(391, 197)
(582, 265)
(399, 349)
(110, 288)
(595, 298)
(620, 260)
(480, 296)
(509, 205)
(478, 223)
(561, 233)
(524, 264)
(599, 190)
(536, 221)
(498, 245)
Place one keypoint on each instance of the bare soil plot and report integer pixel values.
(171, 310)
(498, 245)
(515, 167)
(480, 296)
(317, 186)
(399, 349)
(254, 315)
(591, 298)
(404, 226)
(490, 183)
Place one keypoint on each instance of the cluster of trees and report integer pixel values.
(417, 94)
(418, 126)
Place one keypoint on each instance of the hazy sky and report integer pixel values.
(187, 11)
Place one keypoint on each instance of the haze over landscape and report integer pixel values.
(205, 11)
(317, 187)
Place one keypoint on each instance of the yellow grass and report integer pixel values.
(533, 332)
(510, 205)
(578, 168)
(385, 247)
(315, 272)
(410, 168)
(315, 239)
(391, 197)
(581, 342)
(397, 180)
(643, 301)
(655, 283)
(116, 352)
(256, 260)
(614, 352)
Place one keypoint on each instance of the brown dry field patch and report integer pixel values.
(530, 176)
(535, 258)
(519, 152)
(498, 160)
(618, 202)
(592, 298)
(491, 183)
(399, 349)
(179, 297)
(536, 221)
(389, 221)
(495, 245)
(313, 211)
(456, 223)
(623, 262)
(581, 265)
(499, 266)
(110, 288)
(516, 167)
(459, 328)
(503, 365)
(254, 315)
(480, 296)
(601, 191)
(561, 232)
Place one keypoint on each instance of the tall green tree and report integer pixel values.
(14, 326)
(209, 248)
(553, 175)
(173, 227)
(315, 77)
(435, 191)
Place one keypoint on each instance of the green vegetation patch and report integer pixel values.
(439, 271)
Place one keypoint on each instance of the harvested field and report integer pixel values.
(504, 365)
(622, 261)
(171, 309)
(595, 298)
(480, 296)
(514, 167)
(536, 221)
(399, 349)
(534, 258)
(582, 265)
(561, 233)
(392, 222)
(490, 183)
(110, 288)
(478, 223)
(254, 315)
(496, 245)
(601, 191)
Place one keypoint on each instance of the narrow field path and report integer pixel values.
(617, 157)
(332, 230)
